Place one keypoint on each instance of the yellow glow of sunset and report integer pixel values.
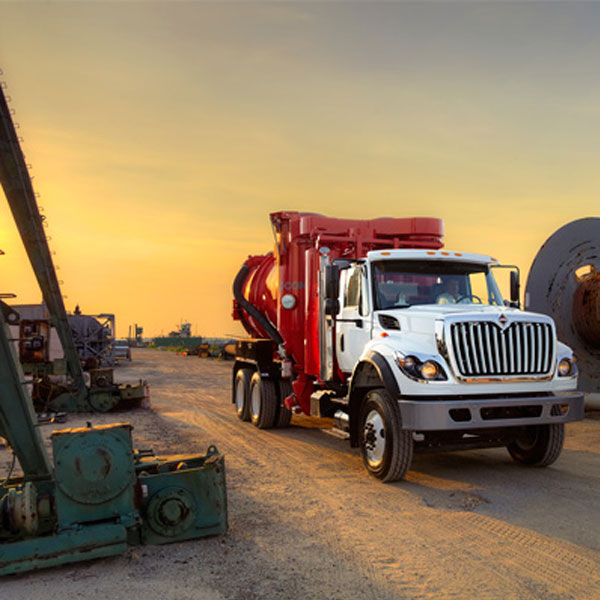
(161, 135)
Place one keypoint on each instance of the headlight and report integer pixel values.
(409, 363)
(427, 370)
(566, 367)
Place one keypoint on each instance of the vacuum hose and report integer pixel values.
(238, 284)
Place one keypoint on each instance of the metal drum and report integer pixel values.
(564, 282)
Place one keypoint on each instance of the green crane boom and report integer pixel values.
(18, 189)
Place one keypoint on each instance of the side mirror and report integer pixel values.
(515, 288)
(332, 283)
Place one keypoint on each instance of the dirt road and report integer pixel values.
(306, 521)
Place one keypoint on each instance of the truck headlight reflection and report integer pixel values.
(427, 370)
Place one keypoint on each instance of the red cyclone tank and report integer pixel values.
(292, 270)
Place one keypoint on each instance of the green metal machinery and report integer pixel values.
(15, 180)
(98, 494)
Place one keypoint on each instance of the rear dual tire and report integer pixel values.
(242, 393)
(261, 400)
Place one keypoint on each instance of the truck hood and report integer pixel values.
(421, 319)
(418, 324)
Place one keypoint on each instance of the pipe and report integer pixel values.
(251, 309)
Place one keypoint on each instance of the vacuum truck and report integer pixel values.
(407, 346)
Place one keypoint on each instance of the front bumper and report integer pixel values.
(488, 413)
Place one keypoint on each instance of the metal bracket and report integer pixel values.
(11, 316)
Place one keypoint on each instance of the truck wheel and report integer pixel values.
(386, 448)
(284, 414)
(242, 394)
(539, 446)
(263, 402)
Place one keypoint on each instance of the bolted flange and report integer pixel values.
(171, 511)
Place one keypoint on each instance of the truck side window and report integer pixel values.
(363, 308)
(352, 296)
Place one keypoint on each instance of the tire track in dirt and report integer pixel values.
(257, 460)
(537, 557)
(571, 569)
(347, 541)
(260, 447)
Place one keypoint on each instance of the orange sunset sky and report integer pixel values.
(161, 134)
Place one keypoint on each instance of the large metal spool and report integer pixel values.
(564, 282)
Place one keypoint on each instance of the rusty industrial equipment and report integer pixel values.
(564, 283)
(99, 494)
(93, 336)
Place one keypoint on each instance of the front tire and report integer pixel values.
(539, 446)
(242, 394)
(386, 448)
(263, 402)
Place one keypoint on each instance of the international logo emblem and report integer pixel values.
(503, 321)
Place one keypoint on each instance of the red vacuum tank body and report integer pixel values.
(283, 285)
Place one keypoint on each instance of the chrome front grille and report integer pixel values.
(483, 348)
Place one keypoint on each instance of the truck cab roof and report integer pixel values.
(429, 255)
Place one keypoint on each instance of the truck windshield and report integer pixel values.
(403, 283)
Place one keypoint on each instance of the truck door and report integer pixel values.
(353, 325)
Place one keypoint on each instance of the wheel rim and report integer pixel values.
(528, 440)
(374, 438)
(239, 395)
(255, 400)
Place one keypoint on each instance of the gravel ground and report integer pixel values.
(306, 521)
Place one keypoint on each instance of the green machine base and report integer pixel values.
(104, 496)
(95, 541)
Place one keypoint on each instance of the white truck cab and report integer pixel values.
(457, 365)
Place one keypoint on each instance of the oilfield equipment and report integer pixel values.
(564, 283)
(93, 336)
(98, 495)
(72, 395)
(203, 347)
